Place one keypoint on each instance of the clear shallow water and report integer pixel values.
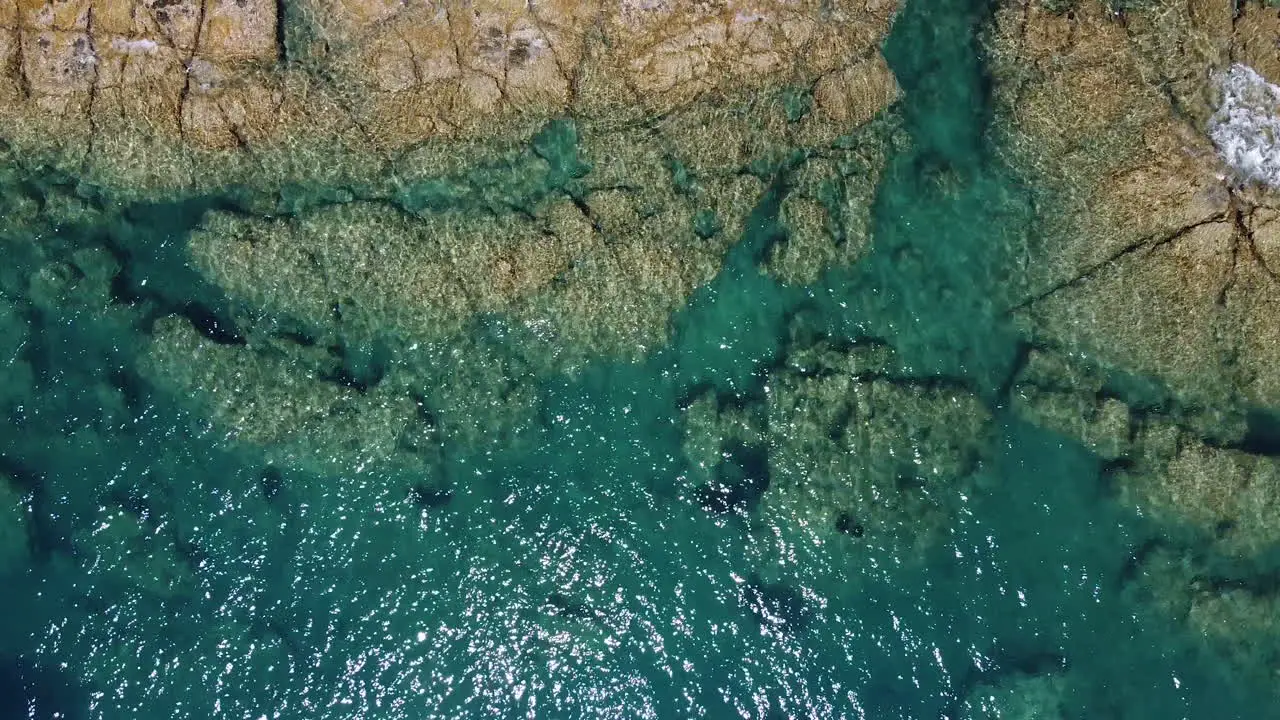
(573, 576)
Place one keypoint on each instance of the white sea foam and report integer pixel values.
(1246, 126)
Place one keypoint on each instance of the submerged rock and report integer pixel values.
(14, 542)
(776, 604)
(741, 479)
(1018, 697)
(855, 448)
(1152, 133)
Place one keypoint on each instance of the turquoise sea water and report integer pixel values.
(573, 576)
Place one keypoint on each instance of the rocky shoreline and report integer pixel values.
(399, 224)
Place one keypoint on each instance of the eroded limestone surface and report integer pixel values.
(1155, 256)
(584, 228)
(1155, 259)
(162, 95)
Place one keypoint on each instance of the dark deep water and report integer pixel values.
(576, 579)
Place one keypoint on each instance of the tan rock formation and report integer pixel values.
(1149, 253)
(160, 95)
(1157, 258)
(386, 152)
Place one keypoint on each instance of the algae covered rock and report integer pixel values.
(584, 240)
(827, 211)
(876, 455)
(365, 175)
(1018, 697)
(1137, 217)
(1145, 299)
(148, 98)
(1070, 399)
(1229, 495)
(1232, 616)
(348, 409)
(854, 448)
(1154, 251)
(132, 549)
(1240, 624)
